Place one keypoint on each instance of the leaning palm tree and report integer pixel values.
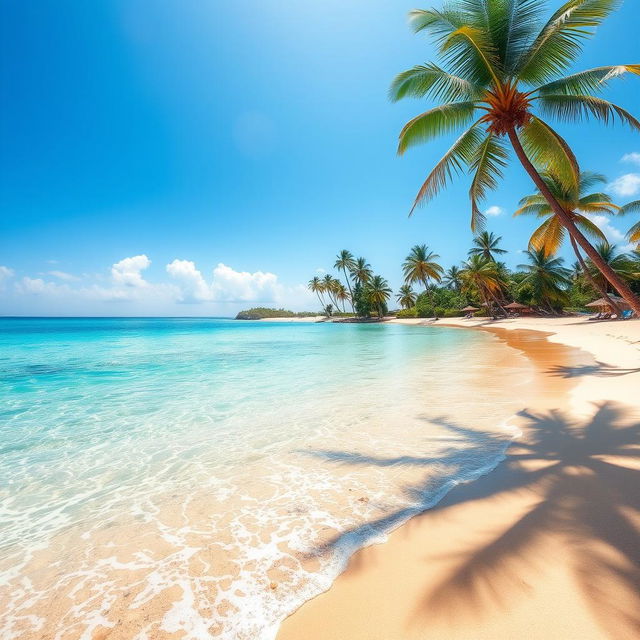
(547, 279)
(421, 266)
(576, 202)
(379, 293)
(406, 297)
(316, 285)
(486, 244)
(633, 234)
(505, 65)
(484, 278)
(342, 295)
(361, 272)
(345, 262)
(452, 278)
(329, 287)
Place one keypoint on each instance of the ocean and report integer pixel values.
(198, 478)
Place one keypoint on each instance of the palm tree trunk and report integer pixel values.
(322, 304)
(616, 281)
(346, 277)
(495, 299)
(596, 285)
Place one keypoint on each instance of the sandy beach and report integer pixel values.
(545, 546)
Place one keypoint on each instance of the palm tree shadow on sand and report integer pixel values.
(581, 481)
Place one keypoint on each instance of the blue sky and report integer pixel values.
(195, 158)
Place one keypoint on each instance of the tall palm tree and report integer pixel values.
(634, 233)
(486, 244)
(329, 287)
(505, 64)
(452, 278)
(421, 266)
(575, 202)
(341, 294)
(547, 278)
(483, 277)
(406, 297)
(345, 262)
(617, 261)
(316, 285)
(362, 272)
(379, 293)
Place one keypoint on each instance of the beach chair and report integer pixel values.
(598, 316)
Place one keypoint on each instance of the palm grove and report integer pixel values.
(542, 281)
(502, 76)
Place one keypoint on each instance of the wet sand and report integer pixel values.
(547, 545)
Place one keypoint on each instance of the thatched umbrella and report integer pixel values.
(469, 308)
(516, 306)
(604, 304)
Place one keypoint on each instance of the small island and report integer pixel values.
(262, 313)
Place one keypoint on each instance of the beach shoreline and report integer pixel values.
(553, 529)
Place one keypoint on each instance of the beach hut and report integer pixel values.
(469, 310)
(601, 303)
(604, 308)
(516, 307)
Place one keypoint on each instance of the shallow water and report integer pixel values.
(200, 477)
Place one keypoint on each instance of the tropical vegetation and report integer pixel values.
(502, 77)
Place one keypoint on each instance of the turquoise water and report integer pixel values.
(204, 477)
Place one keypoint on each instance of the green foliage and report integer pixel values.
(258, 313)
(407, 313)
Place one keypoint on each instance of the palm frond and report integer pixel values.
(546, 148)
(511, 25)
(572, 108)
(487, 163)
(549, 236)
(589, 228)
(469, 54)
(560, 39)
(586, 82)
(432, 81)
(454, 159)
(633, 234)
(435, 122)
(630, 207)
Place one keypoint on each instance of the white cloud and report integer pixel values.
(192, 285)
(241, 286)
(5, 274)
(227, 291)
(128, 271)
(37, 286)
(633, 157)
(626, 185)
(614, 235)
(320, 270)
(63, 275)
(494, 211)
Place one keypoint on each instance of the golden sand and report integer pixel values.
(546, 546)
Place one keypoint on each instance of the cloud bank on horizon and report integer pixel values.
(126, 291)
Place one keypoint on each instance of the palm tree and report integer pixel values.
(379, 293)
(346, 262)
(634, 233)
(406, 297)
(316, 285)
(452, 278)
(618, 262)
(362, 272)
(483, 277)
(575, 202)
(486, 244)
(503, 60)
(341, 294)
(329, 287)
(421, 266)
(547, 278)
